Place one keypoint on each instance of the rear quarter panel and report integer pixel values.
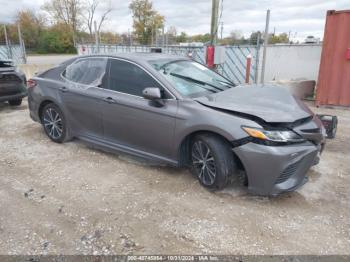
(47, 89)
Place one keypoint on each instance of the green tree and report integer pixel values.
(276, 39)
(182, 38)
(146, 20)
(254, 36)
(110, 38)
(56, 39)
(32, 27)
(201, 38)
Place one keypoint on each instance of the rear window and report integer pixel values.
(88, 71)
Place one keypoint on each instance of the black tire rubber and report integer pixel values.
(334, 127)
(16, 102)
(223, 158)
(65, 131)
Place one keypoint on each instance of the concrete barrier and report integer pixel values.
(300, 88)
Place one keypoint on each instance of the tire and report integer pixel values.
(54, 123)
(334, 127)
(219, 161)
(16, 102)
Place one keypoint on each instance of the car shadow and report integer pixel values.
(235, 190)
(6, 108)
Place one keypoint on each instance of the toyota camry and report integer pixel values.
(173, 110)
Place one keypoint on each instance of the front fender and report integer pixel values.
(193, 117)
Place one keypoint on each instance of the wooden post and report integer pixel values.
(248, 67)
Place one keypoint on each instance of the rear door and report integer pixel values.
(82, 95)
(133, 121)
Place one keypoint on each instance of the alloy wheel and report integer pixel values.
(53, 123)
(204, 163)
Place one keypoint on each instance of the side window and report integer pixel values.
(129, 78)
(88, 71)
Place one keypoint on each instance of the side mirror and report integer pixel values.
(152, 93)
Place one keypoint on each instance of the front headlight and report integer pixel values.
(278, 136)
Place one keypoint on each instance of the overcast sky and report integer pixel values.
(300, 17)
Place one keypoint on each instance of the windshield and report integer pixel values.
(192, 79)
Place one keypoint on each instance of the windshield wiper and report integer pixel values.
(197, 81)
(169, 63)
(227, 83)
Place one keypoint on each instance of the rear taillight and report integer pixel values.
(31, 83)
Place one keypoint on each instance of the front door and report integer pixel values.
(132, 121)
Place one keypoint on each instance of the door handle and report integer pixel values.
(63, 89)
(109, 100)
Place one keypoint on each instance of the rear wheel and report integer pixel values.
(212, 161)
(16, 102)
(54, 123)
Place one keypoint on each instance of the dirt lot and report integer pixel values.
(71, 199)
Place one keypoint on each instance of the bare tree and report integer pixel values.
(65, 11)
(91, 15)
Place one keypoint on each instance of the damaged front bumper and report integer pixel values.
(272, 170)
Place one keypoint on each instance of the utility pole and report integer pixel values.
(131, 38)
(257, 57)
(266, 40)
(289, 36)
(153, 35)
(214, 21)
(222, 29)
(96, 38)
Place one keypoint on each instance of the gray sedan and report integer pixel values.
(177, 111)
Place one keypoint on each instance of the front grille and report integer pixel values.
(288, 172)
(312, 130)
(5, 78)
(8, 92)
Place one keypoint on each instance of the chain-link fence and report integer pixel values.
(14, 53)
(233, 68)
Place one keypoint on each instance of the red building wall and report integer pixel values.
(333, 87)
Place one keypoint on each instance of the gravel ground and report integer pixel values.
(72, 199)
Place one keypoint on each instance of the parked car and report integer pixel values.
(172, 109)
(312, 40)
(12, 83)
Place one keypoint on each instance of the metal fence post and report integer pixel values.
(96, 38)
(21, 43)
(266, 40)
(8, 45)
(257, 58)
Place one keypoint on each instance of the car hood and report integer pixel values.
(270, 103)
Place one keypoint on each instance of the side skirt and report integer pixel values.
(117, 148)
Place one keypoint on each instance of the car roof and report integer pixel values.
(141, 57)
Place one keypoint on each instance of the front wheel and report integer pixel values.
(54, 123)
(212, 161)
